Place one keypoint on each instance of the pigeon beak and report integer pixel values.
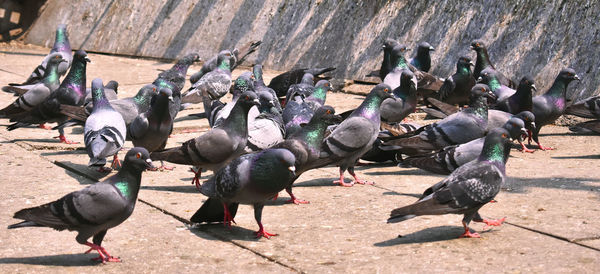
(431, 49)
(256, 102)
(87, 60)
(149, 164)
(292, 169)
(533, 87)
(523, 133)
(471, 63)
(479, 79)
(171, 98)
(271, 103)
(491, 95)
(576, 77)
(532, 125)
(472, 47)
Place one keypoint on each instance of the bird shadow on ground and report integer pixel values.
(415, 195)
(64, 152)
(217, 231)
(557, 134)
(520, 185)
(190, 117)
(180, 189)
(53, 260)
(317, 182)
(82, 173)
(428, 235)
(593, 156)
(52, 141)
(402, 171)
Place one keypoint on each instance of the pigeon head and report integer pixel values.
(280, 161)
(496, 147)
(482, 90)
(266, 100)
(257, 72)
(567, 75)
(189, 59)
(489, 76)
(528, 118)
(243, 83)
(308, 78)
(407, 78)
(224, 60)
(381, 91)
(112, 84)
(98, 96)
(145, 94)
(327, 114)
(477, 45)
(424, 48)
(516, 128)
(464, 63)
(248, 99)
(166, 93)
(61, 41)
(389, 44)
(137, 159)
(527, 82)
(81, 56)
(56, 58)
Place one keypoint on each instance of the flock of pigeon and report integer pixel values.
(268, 135)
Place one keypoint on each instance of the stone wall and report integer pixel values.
(524, 37)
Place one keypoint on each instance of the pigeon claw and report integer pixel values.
(342, 183)
(469, 234)
(262, 233)
(44, 126)
(104, 257)
(362, 182)
(490, 223)
(525, 149)
(63, 139)
(296, 201)
(544, 148)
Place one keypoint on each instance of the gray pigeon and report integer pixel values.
(94, 209)
(215, 83)
(62, 47)
(297, 112)
(552, 104)
(282, 82)
(386, 64)
(489, 76)
(50, 80)
(354, 136)
(467, 189)
(249, 179)
(452, 157)
(457, 88)
(238, 54)
(104, 132)
(259, 85)
(422, 59)
(586, 108)
(483, 62)
(457, 128)
(266, 130)
(38, 92)
(152, 128)
(218, 146)
(219, 111)
(404, 101)
(399, 64)
(298, 92)
(70, 92)
(521, 100)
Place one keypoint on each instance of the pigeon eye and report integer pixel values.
(504, 135)
(386, 90)
(138, 155)
(477, 45)
(328, 111)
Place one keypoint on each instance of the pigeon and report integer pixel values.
(305, 144)
(386, 64)
(450, 158)
(70, 92)
(586, 108)
(483, 62)
(298, 92)
(265, 130)
(215, 83)
(399, 64)
(552, 104)
(467, 189)
(239, 55)
(457, 88)
(296, 113)
(489, 76)
(457, 128)
(151, 129)
(48, 83)
(104, 132)
(218, 146)
(174, 79)
(38, 92)
(110, 91)
(129, 108)
(282, 82)
(354, 136)
(259, 85)
(249, 179)
(94, 209)
(587, 127)
(404, 101)
(422, 59)
(62, 47)
(520, 100)
(219, 111)
(396, 129)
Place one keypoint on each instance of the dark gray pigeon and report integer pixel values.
(62, 47)
(467, 189)
(152, 128)
(586, 108)
(552, 104)
(457, 88)
(483, 62)
(259, 85)
(457, 128)
(218, 111)
(249, 179)
(94, 209)
(298, 92)
(452, 157)
(266, 130)
(422, 59)
(386, 64)
(354, 136)
(521, 100)
(218, 146)
(282, 82)
(399, 64)
(215, 83)
(104, 132)
(239, 55)
(404, 101)
(489, 76)
(70, 92)
(297, 112)
(38, 92)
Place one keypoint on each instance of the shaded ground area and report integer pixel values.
(551, 202)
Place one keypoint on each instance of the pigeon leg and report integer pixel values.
(529, 136)
(341, 180)
(468, 233)
(276, 196)
(489, 223)
(258, 216)
(524, 148)
(197, 175)
(116, 163)
(293, 197)
(165, 167)
(358, 181)
(63, 139)
(103, 255)
(44, 126)
(227, 219)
